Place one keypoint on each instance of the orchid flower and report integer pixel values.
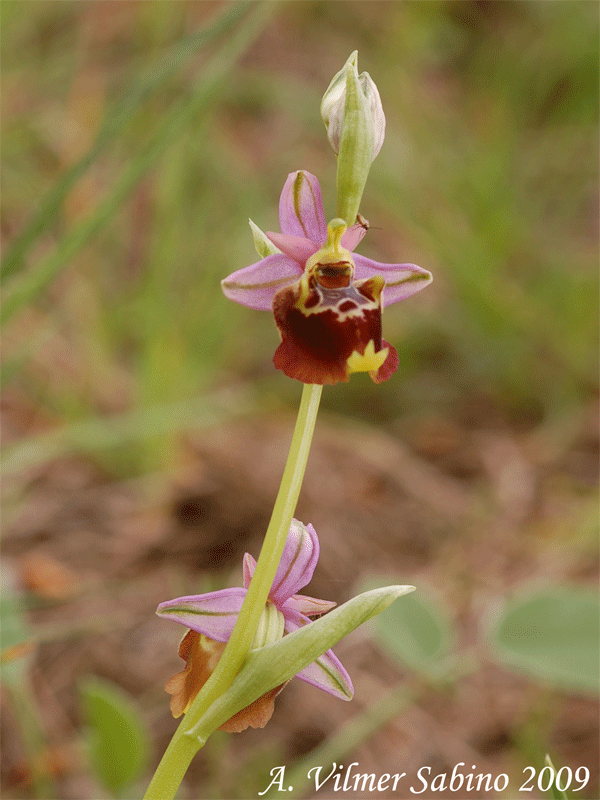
(327, 300)
(211, 617)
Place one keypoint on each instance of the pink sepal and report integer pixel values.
(401, 280)
(255, 286)
(327, 672)
(214, 614)
(301, 208)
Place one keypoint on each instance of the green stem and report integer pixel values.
(188, 738)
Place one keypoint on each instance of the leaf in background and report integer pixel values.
(552, 634)
(417, 633)
(118, 741)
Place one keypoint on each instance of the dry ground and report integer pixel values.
(467, 508)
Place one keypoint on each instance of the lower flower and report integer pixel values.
(211, 618)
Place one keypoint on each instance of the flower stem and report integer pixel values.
(189, 737)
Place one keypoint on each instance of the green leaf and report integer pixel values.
(417, 633)
(276, 663)
(552, 634)
(118, 742)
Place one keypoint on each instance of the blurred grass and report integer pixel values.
(138, 137)
(112, 125)
(136, 149)
(168, 129)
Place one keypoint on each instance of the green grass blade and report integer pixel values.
(168, 129)
(114, 123)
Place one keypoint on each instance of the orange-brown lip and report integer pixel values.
(321, 331)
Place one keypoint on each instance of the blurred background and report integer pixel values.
(145, 428)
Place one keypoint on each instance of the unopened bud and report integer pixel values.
(333, 107)
(352, 112)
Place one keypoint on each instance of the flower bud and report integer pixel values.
(352, 112)
(333, 107)
(371, 92)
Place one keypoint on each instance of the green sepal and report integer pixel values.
(264, 246)
(276, 663)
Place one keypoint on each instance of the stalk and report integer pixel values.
(187, 741)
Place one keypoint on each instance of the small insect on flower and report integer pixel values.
(326, 299)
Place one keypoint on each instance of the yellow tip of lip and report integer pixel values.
(369, 361)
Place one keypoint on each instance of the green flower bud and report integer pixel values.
(353, 115)
(334, 103)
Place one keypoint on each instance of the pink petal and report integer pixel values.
(297, 564)
(256, 285)
(401, 280)
(295, 247)
(354, 234)
(301, 208)
(214, 614)
(327, 672)
(249, 566)
(310, 606)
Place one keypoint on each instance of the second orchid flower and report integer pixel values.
(211, 618)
